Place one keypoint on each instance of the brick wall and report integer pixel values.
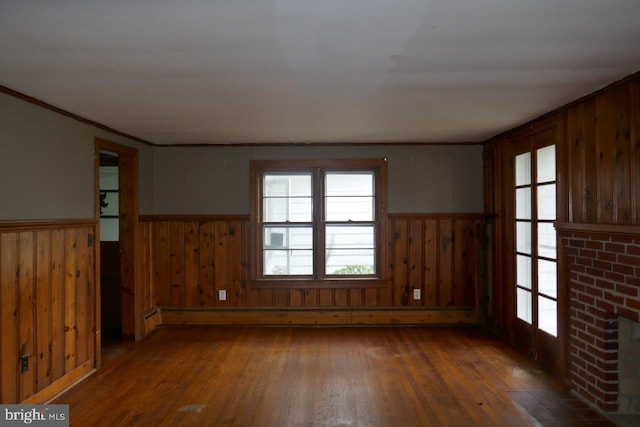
(604, 281)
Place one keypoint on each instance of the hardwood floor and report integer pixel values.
(349, 376)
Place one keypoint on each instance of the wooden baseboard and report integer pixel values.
(152, 320)
(61, 384)
(274, 317)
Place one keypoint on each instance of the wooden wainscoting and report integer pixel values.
(188, 259)
(48, 298)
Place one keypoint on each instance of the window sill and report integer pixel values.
(283, 283)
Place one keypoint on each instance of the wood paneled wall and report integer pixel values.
(47, 298)
(598, 161)
(190, 259)
(603, 153)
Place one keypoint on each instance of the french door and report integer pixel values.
(535, 295)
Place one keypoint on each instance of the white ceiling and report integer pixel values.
(252, 71)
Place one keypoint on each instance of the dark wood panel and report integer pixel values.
(9, 317)
(48, 307)
(634, 105)
(202, 258)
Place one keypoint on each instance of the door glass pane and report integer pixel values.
(546, 240)
(524, 305)
(547, 278)
(523, 203)
(548, 315)
(523, 237)
(546, 167)
(524, 271)
(547, 202)
(523, 169)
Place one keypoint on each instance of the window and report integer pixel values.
(318, 221)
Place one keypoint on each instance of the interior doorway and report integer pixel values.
(116, 208)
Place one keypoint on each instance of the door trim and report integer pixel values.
(128, 176)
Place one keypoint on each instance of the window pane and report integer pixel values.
(546, 167)
(108, 177)
(350, 261)
(349, 208)
(109, 203)
(349, 236)
(524, 271)
(523, 237)
(523, 169)
(287, 185)
(546, 240)
(109, 229)
(523, 203)
(547, 202)
(547, 278)
(524, 305)
(284, 209)
(349, 196)
(548, 315)
(287, 198)
(288, 237)
(287, 262)
(349, 184)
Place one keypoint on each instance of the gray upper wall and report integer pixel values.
(46, 171)
(46, 164)
(215, 180)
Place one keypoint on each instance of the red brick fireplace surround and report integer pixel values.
(602, 270)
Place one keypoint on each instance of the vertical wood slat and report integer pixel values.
(590, 166)
(430, 263)
(400, 262)
(193, 290)
(416, 246)
(235, 263)
(176, 263)
(576, 153)
(82, 298)
(70, 327)
(622, 158)
(606, 156)
(58, 270)
(221, 260)
(161, 264)
(206, 264)
(446, 264)
(9, 318)
(26, 311)
(43, 304)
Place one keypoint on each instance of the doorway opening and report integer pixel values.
(110, 296)
(116, 211)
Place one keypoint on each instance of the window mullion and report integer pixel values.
(319, 223)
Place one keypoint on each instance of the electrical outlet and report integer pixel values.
(222, 295)
(416, 294)
(24, 363)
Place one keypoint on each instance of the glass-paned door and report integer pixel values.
(536, 287)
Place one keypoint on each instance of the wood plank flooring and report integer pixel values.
(348, 376)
